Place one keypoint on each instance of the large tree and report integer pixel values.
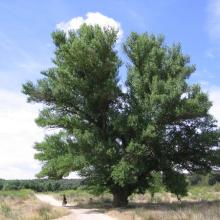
(117, 137)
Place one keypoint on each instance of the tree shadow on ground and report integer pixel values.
(102, 207)
(98, 206)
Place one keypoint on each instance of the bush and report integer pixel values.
(195, 179)
(212, 180)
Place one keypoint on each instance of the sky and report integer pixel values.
(26, 49)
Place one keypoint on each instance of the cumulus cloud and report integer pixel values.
(213, 22)
(18, 133)
(91, 18)
(214, 94)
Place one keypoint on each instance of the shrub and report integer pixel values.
(195, 179)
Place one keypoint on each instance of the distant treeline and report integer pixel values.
(46, 185)
(210, 179)
(40, 185)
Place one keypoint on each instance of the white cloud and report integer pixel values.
(213, 22)
(18, 133)
(91, 18)
(214, 94)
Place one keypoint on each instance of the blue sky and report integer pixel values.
(26, 49)
(26, 46)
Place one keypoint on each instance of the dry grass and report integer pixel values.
(18, 208)
(165, 211)
(84, 199)
(202, 203)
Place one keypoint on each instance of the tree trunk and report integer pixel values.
(120, 199)
(179, 198)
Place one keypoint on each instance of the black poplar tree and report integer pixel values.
(117, 139)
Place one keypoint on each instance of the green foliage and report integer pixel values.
(116, 139)
(12, 185)
(1, 184)
(155, 183)
(16, 194)
(176, 183)
(210, 179)
(195, 179)
(40, 185)
(55, 150)
(214, 178)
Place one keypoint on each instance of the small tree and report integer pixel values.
(155, 184)
(116, 139)
(176, 183)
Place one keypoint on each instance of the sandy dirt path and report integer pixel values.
(76, 214)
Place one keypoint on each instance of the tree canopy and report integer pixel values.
(117, 136)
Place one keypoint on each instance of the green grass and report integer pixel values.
(207, 193)
(16, 194)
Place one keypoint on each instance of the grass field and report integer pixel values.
(22, 205)
(165, 211)
(202, 203)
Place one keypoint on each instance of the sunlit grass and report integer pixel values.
(22, 205)
(202, 203)
(185, 211)
(21, 194)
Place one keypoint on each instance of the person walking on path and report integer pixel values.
(64, 200)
